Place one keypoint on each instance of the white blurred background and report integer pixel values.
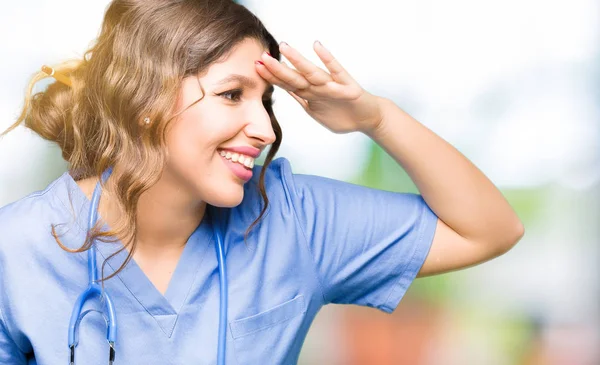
(514, 85)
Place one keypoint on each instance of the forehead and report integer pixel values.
(238, 68)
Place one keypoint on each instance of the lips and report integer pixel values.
(244, 150)
(240, 171)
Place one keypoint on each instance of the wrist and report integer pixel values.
(376, 128)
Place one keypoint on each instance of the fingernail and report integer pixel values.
(269, 54)
(319, 43)
(261, 62)
(283, 44)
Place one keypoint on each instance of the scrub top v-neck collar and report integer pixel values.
(163, 308)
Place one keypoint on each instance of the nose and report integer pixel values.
(259, 127)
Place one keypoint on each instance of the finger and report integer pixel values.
(284, 73)
(266, 74)
(330, 88)
(309, 70)
(338, 73)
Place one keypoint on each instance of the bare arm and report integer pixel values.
(475, 222)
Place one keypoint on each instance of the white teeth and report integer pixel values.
(239, 158)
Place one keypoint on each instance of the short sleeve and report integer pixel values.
(367, 244)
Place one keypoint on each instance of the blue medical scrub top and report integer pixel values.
(321, 241)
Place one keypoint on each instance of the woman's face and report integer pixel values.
(231, 115)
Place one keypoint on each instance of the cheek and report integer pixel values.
(196, 132)
(185, 136)
(195, 137)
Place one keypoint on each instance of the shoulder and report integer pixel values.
(20, 212)
(278, 170)
(274, 185)
(288, 192)
(277, 176)
(29, 219)
(278, 189)
(282, 184)
(281, 180)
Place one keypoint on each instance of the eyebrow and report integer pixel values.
(245, 81)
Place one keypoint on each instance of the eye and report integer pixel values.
(235, 95)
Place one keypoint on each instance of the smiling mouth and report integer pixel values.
(237, 158)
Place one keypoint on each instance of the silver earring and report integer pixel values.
(147, 120)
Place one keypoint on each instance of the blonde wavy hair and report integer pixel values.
(134, 70)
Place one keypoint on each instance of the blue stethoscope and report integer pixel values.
(94, 291)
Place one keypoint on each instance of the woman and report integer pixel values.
(166, 114)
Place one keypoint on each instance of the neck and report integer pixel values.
(166, 216)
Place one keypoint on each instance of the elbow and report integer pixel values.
(519, 232)
(512, 238)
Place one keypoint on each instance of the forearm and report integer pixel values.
(455, 189)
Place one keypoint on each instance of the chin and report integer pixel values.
(227, 199)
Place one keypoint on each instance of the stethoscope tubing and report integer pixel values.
(95, 292)
(223, 295)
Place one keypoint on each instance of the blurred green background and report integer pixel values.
(514, 85)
